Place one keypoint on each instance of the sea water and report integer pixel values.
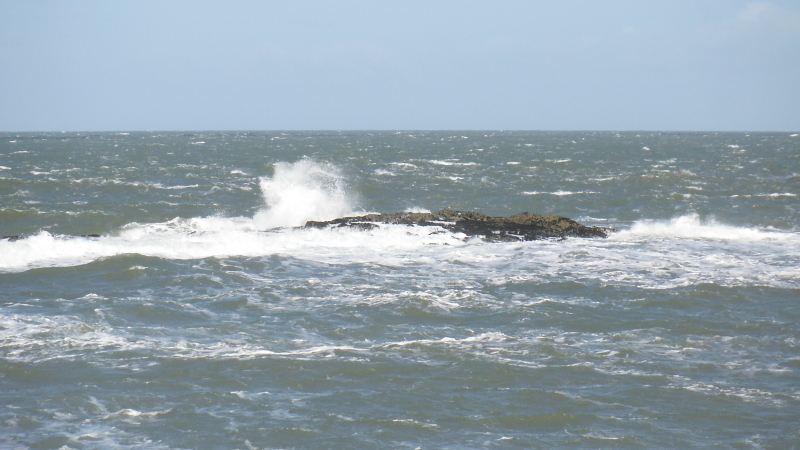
(159, 291)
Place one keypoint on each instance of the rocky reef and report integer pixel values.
(520, 227)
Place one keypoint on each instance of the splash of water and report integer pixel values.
(302, 191)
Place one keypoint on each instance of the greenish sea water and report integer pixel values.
(157, 293)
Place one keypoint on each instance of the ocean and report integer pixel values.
(158, 291)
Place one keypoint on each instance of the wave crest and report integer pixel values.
(692, 227)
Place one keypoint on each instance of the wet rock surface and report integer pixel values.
(520, 227)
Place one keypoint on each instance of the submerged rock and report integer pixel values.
(14, 238)
(521, 227)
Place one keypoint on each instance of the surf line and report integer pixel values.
(520, 227)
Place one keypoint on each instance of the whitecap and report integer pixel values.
(451, 163)
(558, 193)
(179, 187)
(416, 209)
(778, 194)
(492, 336)
(692, 227)
(403, 165)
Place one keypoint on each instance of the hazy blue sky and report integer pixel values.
(537, 65)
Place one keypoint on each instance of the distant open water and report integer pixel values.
(200, 318)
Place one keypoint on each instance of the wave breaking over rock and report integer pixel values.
(520, 227)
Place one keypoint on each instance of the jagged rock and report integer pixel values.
(520, 227)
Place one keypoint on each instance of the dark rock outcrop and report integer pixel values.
(520, 227)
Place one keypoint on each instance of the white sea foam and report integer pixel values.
(295, 194)
(483, 337)
(69, 341)
(451, 163)
(558, 193)
(178, 187)
(778, 194)
(692, 227)
(440, 163)
(222, 237)
(774, 194)
(649, 253)
(406, 166)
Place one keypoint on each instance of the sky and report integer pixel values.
(678, 65)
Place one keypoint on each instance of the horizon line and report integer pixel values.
(396, 130)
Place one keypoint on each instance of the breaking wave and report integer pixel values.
(307, 190)
(692, 227)
(296, 193)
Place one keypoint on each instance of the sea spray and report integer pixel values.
(302, 191)
(297, 192)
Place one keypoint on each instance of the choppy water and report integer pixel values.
(201, 319)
